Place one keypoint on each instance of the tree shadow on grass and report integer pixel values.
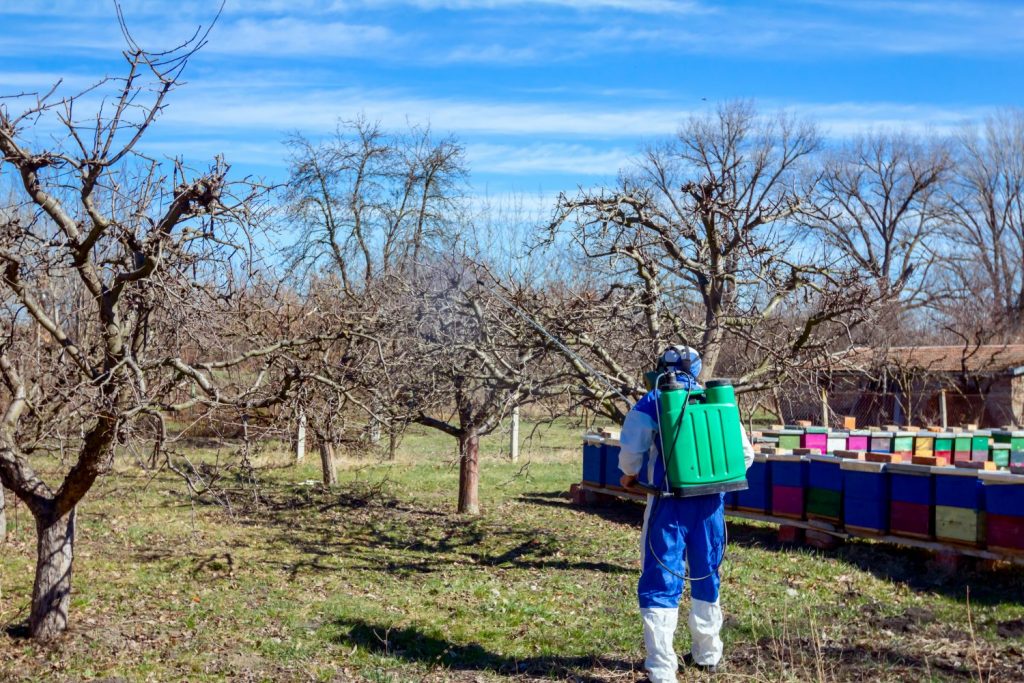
(410, 644)
(914, 567)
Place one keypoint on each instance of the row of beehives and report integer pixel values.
(956, 505)
(999, 448)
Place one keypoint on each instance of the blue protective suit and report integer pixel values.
(675, 529)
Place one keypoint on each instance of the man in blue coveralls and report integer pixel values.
(673, 527)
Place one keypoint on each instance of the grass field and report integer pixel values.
(379, 581)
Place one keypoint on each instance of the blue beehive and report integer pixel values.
(612, 473)
(593, 460)
(758, 495)
(865, 497)
(912, 495)
(1004, 511)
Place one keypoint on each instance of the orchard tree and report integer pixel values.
(117, 274)
(700, 242)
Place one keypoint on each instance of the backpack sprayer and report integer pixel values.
(700, 432)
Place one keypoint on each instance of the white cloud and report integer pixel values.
(291, 36)
(570, 159)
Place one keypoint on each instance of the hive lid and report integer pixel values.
(592, 438)
(903, 433)
(612, 442)
(863, 466)
(1001, 478)
(881, 435)
(838, 435)
(952, 471)
(1012, 433)
(831, 459)
(909, 468)
(782, 457)
(945, 435)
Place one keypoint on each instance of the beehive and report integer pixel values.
(1004, 511)
(865, 497)
(815, 438)
(979, 445)
(903, 444)
(912, 500)
(593, 460)
(758, 495)
(961, 447)
(943, 446)
(789, 485)
(612, 473)
(837, 441)
(924, 444)
(858, 440)
(1016, 441)
(999, 453)
(881, 442)
(789, 438)
(959, 506)
(824, 488)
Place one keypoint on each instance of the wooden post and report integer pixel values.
(824, 408)
(942, 409)
(374, 431)
(514, 442)
(327, 461)
(3, 516)
(300, 437)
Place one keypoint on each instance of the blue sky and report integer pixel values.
(545, 94)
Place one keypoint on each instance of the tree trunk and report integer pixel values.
(327, 461)
(300, 437)
(469, 473)
(392, 443)
(3, 516)
(51, 594)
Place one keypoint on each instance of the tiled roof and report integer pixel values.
(990, 359)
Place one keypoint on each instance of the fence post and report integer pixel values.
(824, 408)
(514, 443)
(942, 408)
(300, 437)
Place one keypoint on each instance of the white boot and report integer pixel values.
(705, 624)
(659, 629)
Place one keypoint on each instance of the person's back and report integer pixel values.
(674, 527)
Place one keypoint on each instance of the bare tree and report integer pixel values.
(700, 243)
(116, 272)
(985, 273)
(879, 203)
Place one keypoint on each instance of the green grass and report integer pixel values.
(378, 580)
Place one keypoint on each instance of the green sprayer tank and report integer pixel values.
(701, 438)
